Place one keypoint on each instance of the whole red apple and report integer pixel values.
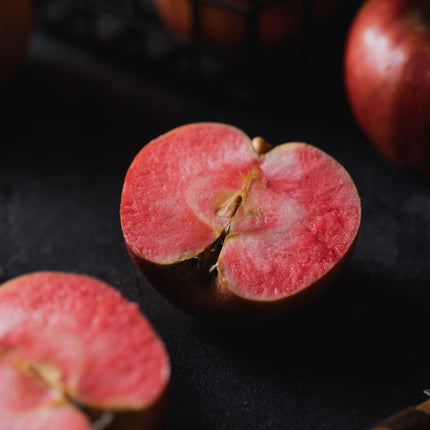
(387, 78)
(76, 355)
(231, 230)
(15, 24)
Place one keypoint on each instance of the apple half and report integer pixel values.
(76, 355)
(230, 229)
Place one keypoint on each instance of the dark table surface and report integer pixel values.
(71, 128)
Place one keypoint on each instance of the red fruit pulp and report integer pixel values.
(72, 337)
(299, 218)
(287, 217)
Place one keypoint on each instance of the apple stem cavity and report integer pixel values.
(260, 145)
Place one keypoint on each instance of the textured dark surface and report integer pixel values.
(71, 127)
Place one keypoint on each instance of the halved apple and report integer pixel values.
(229, 229)
(76, 355)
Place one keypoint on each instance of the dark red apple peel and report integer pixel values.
(386, 74)
(76, 355)
(230, 230)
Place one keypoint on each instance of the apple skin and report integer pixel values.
(387, 79)
(15, 27)
(193, 291)
(221, 27)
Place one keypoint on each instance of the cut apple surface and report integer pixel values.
(224, 226)
(74, 351)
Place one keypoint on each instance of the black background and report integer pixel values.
(70, 128)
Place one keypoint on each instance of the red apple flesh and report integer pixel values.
(387, 78)
(229, 230)
(74, 351)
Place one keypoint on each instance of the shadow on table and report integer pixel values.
(364, 328)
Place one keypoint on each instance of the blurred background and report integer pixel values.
(98, 79)
(260, 53)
